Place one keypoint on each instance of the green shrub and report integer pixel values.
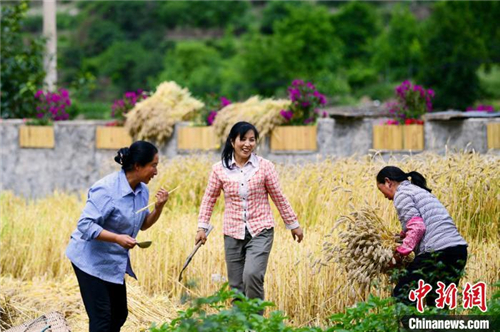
(21, 64)
(210, 314)
(90, 110)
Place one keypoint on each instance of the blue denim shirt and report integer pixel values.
(111, 205)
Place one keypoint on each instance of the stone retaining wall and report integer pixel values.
(75, 162)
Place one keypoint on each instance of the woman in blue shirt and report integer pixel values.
(106, 231)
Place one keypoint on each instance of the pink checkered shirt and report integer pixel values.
(259, 216)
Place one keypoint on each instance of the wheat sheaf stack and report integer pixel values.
(264, 114)
(154, 118)
(366, 246)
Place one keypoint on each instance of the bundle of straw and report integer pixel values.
(366, 246)
(22, 301)
(154, 118)
(263, 114)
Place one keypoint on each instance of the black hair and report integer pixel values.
(396, 174)
(140, 152)
(239, 129)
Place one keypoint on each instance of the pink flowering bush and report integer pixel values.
(213, 104)
(406, 122)
(51, 106)
(481, 108)
(412, 101)
(306, 101)
(122, 106)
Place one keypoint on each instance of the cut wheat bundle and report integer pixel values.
(365, 246)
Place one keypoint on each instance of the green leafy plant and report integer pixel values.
(21, 64)
(211, 314)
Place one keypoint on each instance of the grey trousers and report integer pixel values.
(246, 262)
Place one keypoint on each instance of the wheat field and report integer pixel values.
(36, 277)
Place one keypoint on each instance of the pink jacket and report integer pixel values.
(259, 216)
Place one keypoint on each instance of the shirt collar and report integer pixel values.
(124, 186)
(253, 161)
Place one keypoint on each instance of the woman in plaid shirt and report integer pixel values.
(248, 224)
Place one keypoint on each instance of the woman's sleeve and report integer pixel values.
(412, 222)
(97, 209)
(415, 230)
(212, 192)
(285, 209)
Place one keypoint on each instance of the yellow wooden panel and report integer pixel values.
(388, 137)
(197, 138)
(493, 130)
(112, 138)
(294, 138)
(36, 137)
(413, 137)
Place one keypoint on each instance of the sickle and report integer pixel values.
(197, 246)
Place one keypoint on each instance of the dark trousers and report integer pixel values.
(105, 302)
(445, 265)
(246, 262)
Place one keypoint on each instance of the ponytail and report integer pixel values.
(396, 174)
(140, 152)
(418, 180)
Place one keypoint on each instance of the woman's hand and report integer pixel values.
(161, 198)
(200, 236)
(297, 234)
(125, 241)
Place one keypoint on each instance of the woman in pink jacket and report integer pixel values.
(248, 225)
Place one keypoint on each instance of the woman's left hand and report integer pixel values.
(161, 198)
(297, 234)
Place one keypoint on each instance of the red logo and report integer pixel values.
(419, 294)
(447, 295)
(475, 296)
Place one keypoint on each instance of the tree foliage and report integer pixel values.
(21, 62)
(194, 65)
(452, 54)
(204, 14)
(398, 49)
(357, 25)
(342, 47)
(303, 45)
(126, 65)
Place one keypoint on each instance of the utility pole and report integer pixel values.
(50, 32)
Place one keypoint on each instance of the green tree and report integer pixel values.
(452, 54)
(303, 45)
(194, 65)
(357, 25)
(262, 64)
(205, 14)
(398, 50)
(486, 14)
(124, 66)
(276, 11)
(134, 18)
(21, 64)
